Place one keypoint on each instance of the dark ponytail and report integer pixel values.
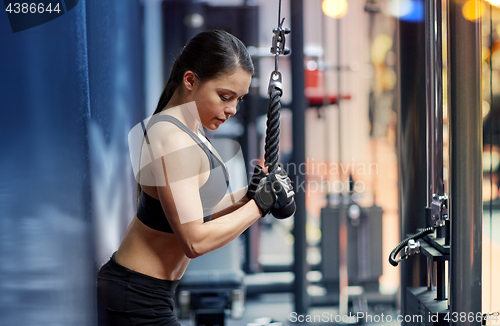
(209, 55)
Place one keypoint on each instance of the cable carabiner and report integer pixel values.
(275, 82)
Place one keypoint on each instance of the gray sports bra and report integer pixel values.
(149, 210)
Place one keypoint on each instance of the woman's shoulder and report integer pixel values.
(168, 137)
(172, 151)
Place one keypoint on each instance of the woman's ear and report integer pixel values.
(189, 80)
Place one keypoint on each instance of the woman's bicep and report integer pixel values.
(230, 202)
(177, 178)
(182, 206)
(181, 203)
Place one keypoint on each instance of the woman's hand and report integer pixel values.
(273, 192)
(258, 173)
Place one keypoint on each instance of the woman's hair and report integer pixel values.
(209, 55)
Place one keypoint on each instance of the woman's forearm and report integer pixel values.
(230, 203)
(217, 233)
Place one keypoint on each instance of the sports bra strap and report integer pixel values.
(184, 128)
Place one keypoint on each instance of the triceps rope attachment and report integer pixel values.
(275, 92)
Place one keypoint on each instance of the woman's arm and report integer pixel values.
(230, 203)
(196, 237)
(214, 234)
(177, 172)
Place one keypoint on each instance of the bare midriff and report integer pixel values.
(151, 252)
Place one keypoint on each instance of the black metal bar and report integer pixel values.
(430, 121)
(434, 100)
(430, 86)
(465, 124)
(411, 148)
(447, 234)
(437, 165)
(299, 156)
(249, 141)
(429, 274)
(434, 117)
(440, 232)
(441, 283)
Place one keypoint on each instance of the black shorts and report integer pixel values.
(127, 298)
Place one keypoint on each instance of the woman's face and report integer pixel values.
(217, 99)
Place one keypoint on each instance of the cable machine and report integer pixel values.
(452, 230)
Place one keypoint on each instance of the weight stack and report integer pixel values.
(364, 247)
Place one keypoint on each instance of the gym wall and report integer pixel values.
(70, 91)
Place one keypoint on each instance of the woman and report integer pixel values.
(183, 210)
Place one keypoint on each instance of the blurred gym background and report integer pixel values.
(73, 88)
